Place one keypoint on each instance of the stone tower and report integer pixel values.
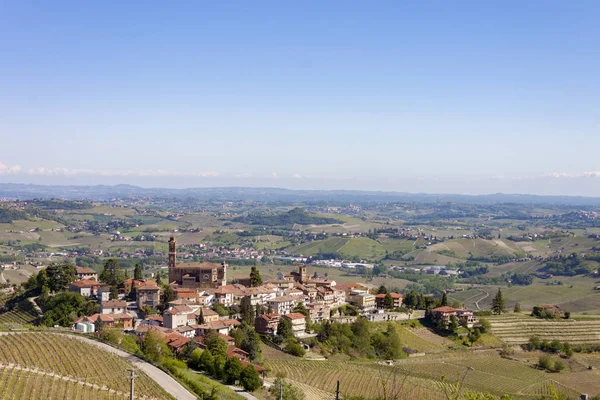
(303, 274)
(172, 258)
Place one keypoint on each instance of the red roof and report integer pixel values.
(294, 316)
(394, 296)
(86, 283)
(85, 270)
(446, 309)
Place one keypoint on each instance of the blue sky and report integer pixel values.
(465, 97)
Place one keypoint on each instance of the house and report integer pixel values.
(228, 295)
(233, 351)
(85, 287)
(396, 300)
(103, 294)
(443, 314)
(298, 322)
(113, 307)
(283, 305)
(208, 314)
(148, 295)
(178, 316)
(86, 273)
(267, 324)
(176, 342)
(259, 295)
(186, 331)
(187, 294)
(109, 320)
(318, 312)
(364, 301)
(224, 326)
(241, 279)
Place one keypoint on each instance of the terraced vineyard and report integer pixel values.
(422, 377)
(67, 367)
(23, 314)
(517, 329)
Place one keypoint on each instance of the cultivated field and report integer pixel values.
(421, 378)
(517, 329)
(69, 368)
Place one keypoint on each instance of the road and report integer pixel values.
(170, 385)
(484, 297)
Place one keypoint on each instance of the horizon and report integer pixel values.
(419, 98)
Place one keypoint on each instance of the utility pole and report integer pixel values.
(337, 391)
(132, 377)
(281, 389)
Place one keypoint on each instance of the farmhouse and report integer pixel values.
(443, 315)
(86, 273)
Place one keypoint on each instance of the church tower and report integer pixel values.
(303, 274)
(172, 258)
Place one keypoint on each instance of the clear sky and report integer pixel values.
(464, 97)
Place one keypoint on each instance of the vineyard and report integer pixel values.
(65, 368)
(422, 377)
(23, 314)
(517, 329)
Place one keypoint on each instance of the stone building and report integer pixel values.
(195, 275)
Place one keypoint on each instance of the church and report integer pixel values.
(195, 275)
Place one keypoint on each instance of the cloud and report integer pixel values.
(589, 174)
(297, 176)
(44, 171)
(9, 170)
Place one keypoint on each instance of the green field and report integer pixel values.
(361, 247)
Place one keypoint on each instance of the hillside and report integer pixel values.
(348, 248)
(52, 366)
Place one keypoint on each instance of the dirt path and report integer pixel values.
(483, 298)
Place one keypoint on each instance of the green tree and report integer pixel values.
(206, 362)
(382, 290)
(113, 276)
(158, 279)
(59, 276)
(233, 370)
(154, 347)
(517, 308)
(98, 325)
(201, 317)
(255, 278)
(444, 300)
(168, 294)
(453, 324)
(284, 328)
(498, 303)
(388, 301)
(216, 344)
(285, 391)
(250, 379)
(137, 272)
(247, 310)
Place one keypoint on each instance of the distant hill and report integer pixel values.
(103, 192)
(295, 216)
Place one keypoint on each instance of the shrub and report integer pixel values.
(295, 349)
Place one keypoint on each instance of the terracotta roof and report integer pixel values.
(233, 351)
(83, 283)
(394, 296)
(282, 299)
(85, 270)
(446, 309)
(294, 316)
(114, 303)
(204, 265)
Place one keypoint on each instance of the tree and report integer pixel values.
(284, 329)
(382, 290)
(444, 300)
(216, 345)
(158, 279)
(206, 362)
(201, 317)
(233, 370)
(98, 325)
(247, 311)
(453, 324)
(112, 274)
(250, 379)
(517, 308)
(498, 303)
(137, 272)
(285, 391)
(168, 294)
(59, 276)
(388, 301)
(154, 347)
(255, 278)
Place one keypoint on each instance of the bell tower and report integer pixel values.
(172, 258)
